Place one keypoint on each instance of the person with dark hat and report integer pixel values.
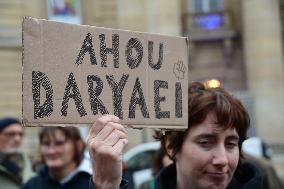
(15, 166)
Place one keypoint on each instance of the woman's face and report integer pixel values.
(58, 152)
(209, 156)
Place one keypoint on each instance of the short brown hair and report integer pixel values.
(71, 133)
(201, 101)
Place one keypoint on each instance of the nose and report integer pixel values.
(48, 149)
(17, 140)
(220, 156)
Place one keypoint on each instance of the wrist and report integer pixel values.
(104, 185)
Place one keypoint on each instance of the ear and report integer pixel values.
(80, 145)
(169, 150)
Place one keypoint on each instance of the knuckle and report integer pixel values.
(108, 126)
(102, 150)
(95, 145)
(100, 121)
(115, 134)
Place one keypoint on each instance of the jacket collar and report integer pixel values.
(166, 179)
(247, 176)
(84, 167)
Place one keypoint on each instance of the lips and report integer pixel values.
(52, 157)
(217, 176)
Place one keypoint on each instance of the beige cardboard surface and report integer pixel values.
(73, 73)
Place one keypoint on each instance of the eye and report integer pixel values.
(45, 143)
(60, 143)
(231, 145)
(205, 143)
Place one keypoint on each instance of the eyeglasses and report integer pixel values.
(12, 134)
(56, 144)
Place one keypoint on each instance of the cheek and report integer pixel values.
(5, 144)
(197, 157)
(233, 160)
(201, 158)
(191, 162)
(70, 150)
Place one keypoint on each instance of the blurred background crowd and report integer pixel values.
(236, 44)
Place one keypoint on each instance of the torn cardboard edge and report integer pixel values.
(162, 127)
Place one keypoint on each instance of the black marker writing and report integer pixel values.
(40, 79)
(150, 56)
(114, 50)
(157, 99)
(72, 91)
(87, 46)
(134, 53)
(137, 90)
(117, 89)
(178, 105)
(94, 93)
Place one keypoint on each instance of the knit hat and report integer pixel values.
(5, 122)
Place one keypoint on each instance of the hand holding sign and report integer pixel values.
(106, 141)
(179, 70)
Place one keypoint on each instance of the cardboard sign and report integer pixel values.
(73, 74)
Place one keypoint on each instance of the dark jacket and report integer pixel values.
(123, 185)
(44, 181)
(14, 170)
(247, 176)
(270, 178)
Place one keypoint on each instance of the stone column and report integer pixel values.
(264, 63)
(159, 16)
(102, 13)
(164, 17)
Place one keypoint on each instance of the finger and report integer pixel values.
(184, 68)
(108, 129)
(176, 65)
(118, 147)
(100, 123)
(114, 137)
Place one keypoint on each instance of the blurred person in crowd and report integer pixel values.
(207, 155)
(270, 178)
(127, 173)
(15, 166)
(160, 160)
(255, 150)
(63, 162)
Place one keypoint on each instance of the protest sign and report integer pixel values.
(74, 73)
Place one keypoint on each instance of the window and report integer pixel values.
(68, 11)
(205, 6)
(208, 14)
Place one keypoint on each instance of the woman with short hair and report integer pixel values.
(63, 163)
(206, 155)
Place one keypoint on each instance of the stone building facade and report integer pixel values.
(239, 43)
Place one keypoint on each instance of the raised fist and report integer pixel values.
(179, 69)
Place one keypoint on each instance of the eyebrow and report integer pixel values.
(233, 137)
(212, 136)
(207, 136)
